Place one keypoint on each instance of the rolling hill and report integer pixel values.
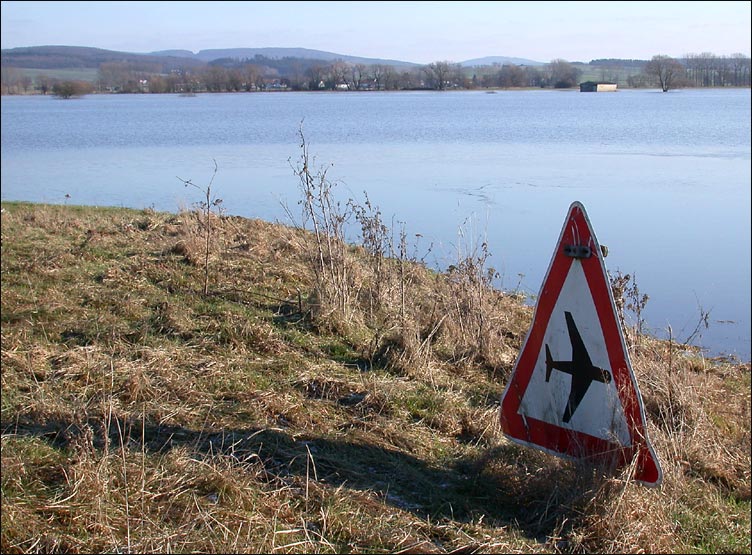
(79, 57)
(500, 60)
(277, 53)
(69, 57)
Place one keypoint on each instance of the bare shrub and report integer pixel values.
(376, 241)
(476, 316)
(328, 260)
(627, 297)
(206, 206)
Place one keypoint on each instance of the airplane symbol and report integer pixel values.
(580, 368)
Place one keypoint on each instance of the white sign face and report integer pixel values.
(599, 413)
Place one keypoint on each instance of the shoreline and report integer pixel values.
(424, 90)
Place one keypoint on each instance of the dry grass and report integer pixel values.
(141, 415)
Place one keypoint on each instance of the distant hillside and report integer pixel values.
(619, 62)
(278, 53)
(176, 53)
(501, 60)
(69, 57)
(79, 57)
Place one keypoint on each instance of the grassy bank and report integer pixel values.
(173, 384)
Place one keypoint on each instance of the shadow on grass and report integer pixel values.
(506, 485)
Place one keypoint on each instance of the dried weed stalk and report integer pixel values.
(206, 206)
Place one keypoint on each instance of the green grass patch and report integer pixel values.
(77, 74)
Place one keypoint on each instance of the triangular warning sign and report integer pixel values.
(573, 392)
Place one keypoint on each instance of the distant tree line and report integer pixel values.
(296, 74)
(263, 74)
(709, 70)
(694, 70)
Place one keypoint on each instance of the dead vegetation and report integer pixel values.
(309, 395)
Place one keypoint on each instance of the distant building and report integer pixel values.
(597, 86)
(274, 85)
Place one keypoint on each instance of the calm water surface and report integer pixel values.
(665, 178)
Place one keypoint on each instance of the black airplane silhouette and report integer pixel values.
(580, 367)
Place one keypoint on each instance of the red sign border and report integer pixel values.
(555, 439)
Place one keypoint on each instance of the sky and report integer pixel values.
(419, 32)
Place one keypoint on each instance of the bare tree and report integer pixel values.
(389, 78)
(11, 76)
(25, 82)
(339, 71)
(316, 75)
(378, 75)
(252, 80)
(44, 83)
(562, 74)
(438, 74)
(534, 77)
(70, 89)
(297, 75)
(157, 84)
(666, 70)
(511, 76)
(214, 78)
(357, 74)
(741, 68)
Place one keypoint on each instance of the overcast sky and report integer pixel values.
(420, 32)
